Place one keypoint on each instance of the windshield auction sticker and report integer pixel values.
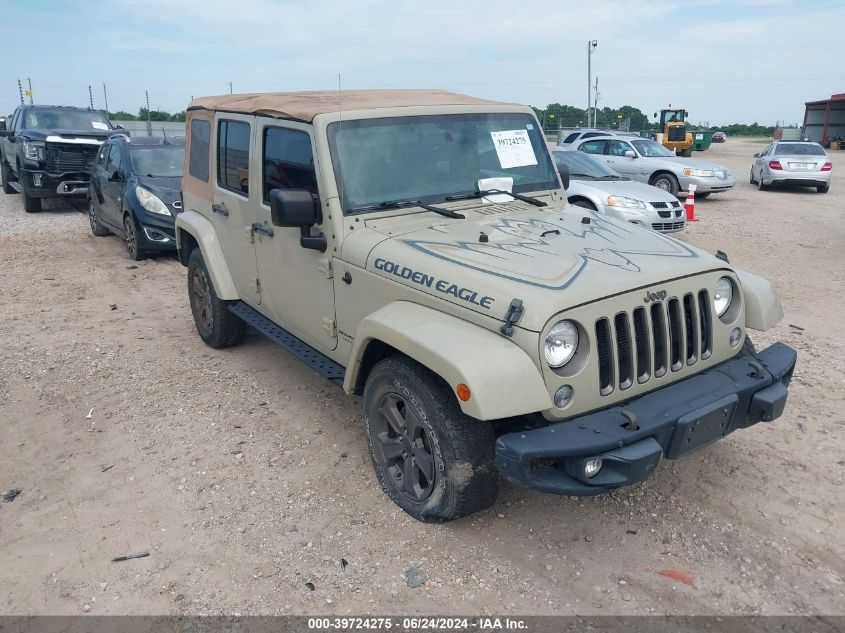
(513, 148)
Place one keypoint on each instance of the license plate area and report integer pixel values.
(702, 427)
(802, 165)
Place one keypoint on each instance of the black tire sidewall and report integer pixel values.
(674, 187)
(226, 329)
(139, 249)
(436, 407)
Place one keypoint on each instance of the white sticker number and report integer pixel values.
(513, 148)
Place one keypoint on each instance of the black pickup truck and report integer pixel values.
(48, 151)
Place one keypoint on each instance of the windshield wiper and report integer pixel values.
(610, 177)
(489, 192)
(402, 204)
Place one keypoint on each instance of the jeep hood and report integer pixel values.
(550, 259)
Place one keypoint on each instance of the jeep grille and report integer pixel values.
(651, 340)
(64, 157)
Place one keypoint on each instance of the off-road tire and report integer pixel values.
(686, 153)
(823, 188)
(217, 327)
(671, 183)
(462, 450)
(6, 175)
(97, 227)
(30, 204)
(132, 239)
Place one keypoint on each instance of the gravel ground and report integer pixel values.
(246, 478)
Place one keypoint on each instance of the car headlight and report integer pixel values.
(701, 173)
(33, 150)
(723, 295)
(151, 202)
(561, 343)
(626, 203)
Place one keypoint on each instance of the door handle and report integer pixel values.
(221, 209)
(264, 230)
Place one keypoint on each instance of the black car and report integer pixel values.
(48, 151)
(135, 192)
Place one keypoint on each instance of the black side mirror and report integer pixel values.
(298, 208)
(563, 170)
(116, 176)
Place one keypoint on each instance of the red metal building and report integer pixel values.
(825, 120)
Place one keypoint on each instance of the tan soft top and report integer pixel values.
(304, 106)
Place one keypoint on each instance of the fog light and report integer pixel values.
(36, 180)
(736, 336)
(592, 467)
(563, 396)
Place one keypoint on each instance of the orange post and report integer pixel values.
(689, 205)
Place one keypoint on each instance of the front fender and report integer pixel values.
(763, 309)
(503, 380)
(204, 234)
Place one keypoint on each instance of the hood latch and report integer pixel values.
(512, 317)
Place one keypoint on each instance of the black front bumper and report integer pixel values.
(43, 184)
(632, 438)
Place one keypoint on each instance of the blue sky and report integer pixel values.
(725, 61)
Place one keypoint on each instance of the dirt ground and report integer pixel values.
(245, 475)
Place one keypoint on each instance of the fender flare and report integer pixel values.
(204, 234)
(763, 309)
(503, 380)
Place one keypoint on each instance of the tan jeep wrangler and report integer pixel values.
(416, 247)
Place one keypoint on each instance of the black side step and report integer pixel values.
(14, 184)
(304, 352)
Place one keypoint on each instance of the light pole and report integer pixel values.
(591, 46)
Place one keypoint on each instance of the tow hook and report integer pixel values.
(758, 371)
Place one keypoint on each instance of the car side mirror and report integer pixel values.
(298, 208)
(629, 153)
(563, 170)
(757, 155)
(116, 176)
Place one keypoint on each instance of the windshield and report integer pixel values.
(584, 167)
(650, 149)
(430, 158)
(162, 161)
(799, 149)
(61, 119)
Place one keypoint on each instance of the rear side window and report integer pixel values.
(593, 147)
(592, 134)
(200, 136)
(571, 137)
(799, 149)
(233, 156)
(287, 162)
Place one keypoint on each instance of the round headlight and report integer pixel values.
(561, 343)
(723, 295)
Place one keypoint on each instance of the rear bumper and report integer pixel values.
(793, 179)
(631, 439)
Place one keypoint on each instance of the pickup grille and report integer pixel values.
(651, 341)
(677, 132)
(64, 157)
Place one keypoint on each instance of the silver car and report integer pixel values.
(594, 185)
(653, 164)
(792, 163)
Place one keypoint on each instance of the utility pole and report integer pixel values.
(149, 121)
(591, 46)
(230, 87)
(106, 98)
(20, 89)
(90, 97)
(596, 105)
(29, 83)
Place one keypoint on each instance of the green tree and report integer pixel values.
(121, 115)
